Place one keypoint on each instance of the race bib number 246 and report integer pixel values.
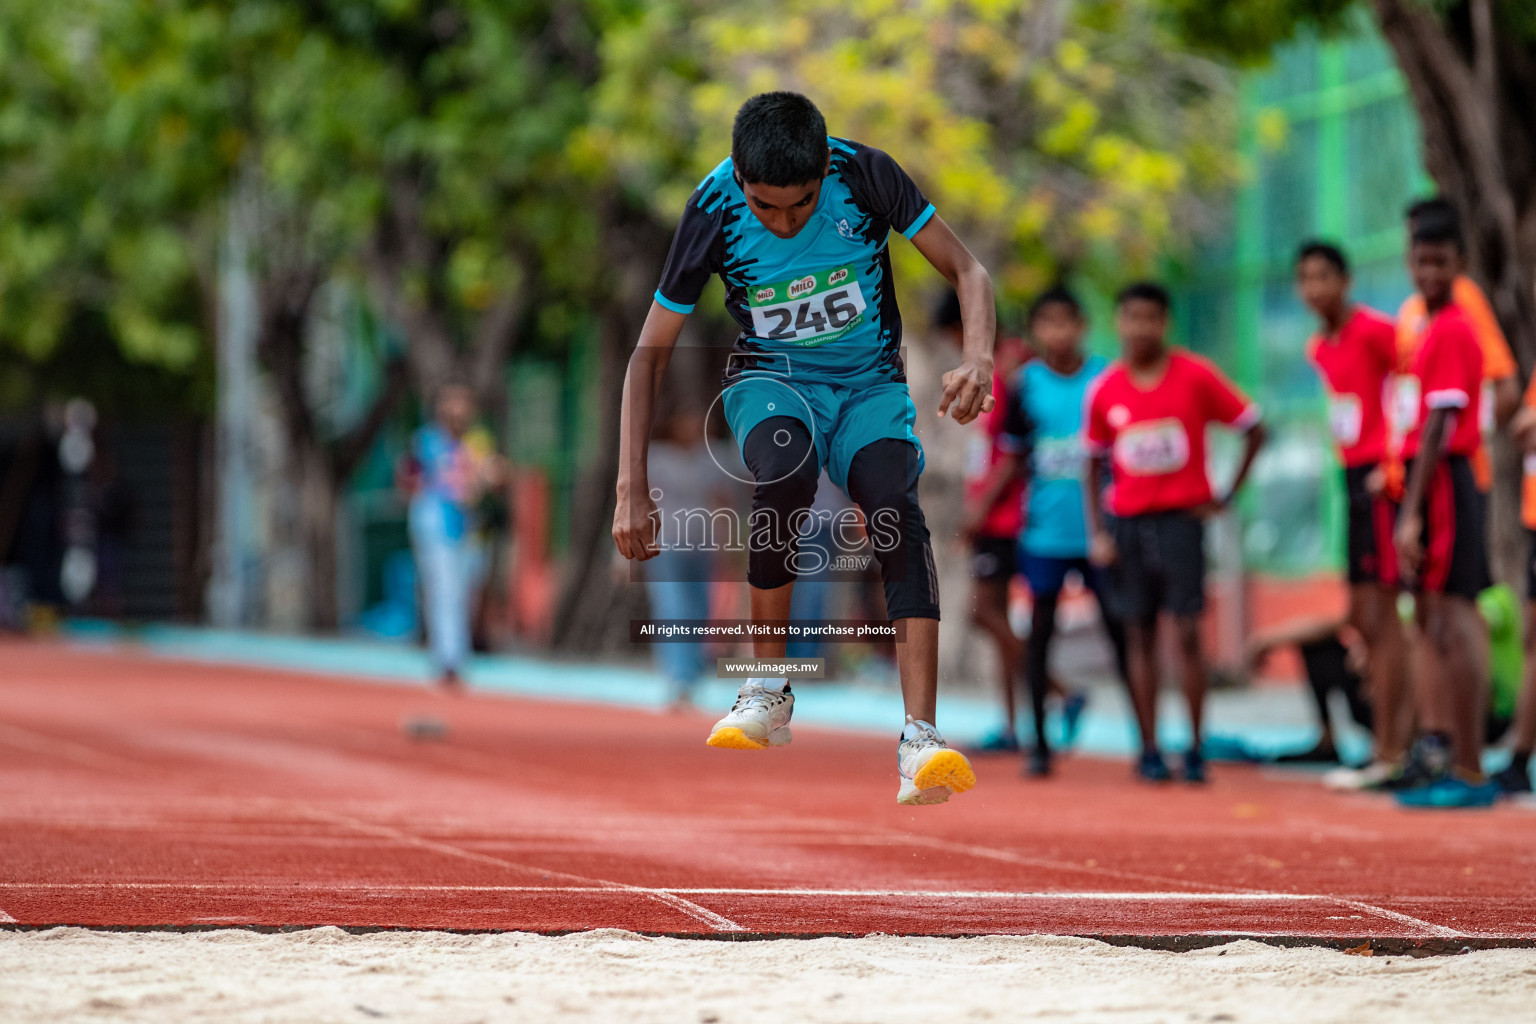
(811, 310)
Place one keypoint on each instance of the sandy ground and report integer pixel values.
(325, 974)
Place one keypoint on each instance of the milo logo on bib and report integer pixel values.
(810, 310)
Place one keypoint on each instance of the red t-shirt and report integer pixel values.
(1448, 371)
(1528, 483)
(1356, 367)
(1006, 517)
(1155, 436)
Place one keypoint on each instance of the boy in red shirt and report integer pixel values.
(1439, 535)
(1355, 353)
(1147, 416)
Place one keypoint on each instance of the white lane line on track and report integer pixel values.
(1009, 857)
(1439, 931)
(693, 910)
(1006, 856)
(6, 918)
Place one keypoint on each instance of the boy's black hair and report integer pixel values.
(946, 313)
(1148, 291)
(779, 139)
(1436, 222)
(1056, 295)
(1324, 251)
(1433, 208)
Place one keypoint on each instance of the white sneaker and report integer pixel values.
(1369, 777)
(758, 719)
(930, 771)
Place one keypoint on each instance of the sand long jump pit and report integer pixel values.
(327, 974)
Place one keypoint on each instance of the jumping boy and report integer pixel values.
(1440, 532)
(1147, 415)
(1355, 353)
(795, 224)
(1044, 438)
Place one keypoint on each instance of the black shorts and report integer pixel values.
(994, 559)
(1369, 553)
(1455, 548)
(1160, 566)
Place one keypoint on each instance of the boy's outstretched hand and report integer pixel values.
(967, 392)
(634, 524)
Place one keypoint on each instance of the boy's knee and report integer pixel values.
(781, 455)
(883, 475)
(1440, 630)
(882, 479)
(1190, 637)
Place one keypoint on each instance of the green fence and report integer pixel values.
(1331, 148)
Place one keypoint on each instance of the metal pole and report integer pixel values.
(230, 587)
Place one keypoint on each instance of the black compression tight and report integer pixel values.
(882, 481)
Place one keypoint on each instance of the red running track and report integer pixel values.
(139, 792)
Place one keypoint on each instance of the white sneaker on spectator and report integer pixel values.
(1351, 779)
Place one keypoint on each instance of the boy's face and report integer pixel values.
(1057, 329)
(456, 409)
(783, 210)
(1323, 287)
(1434, 267)
(1142, 325)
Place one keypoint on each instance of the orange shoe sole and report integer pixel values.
(732, 738)
(947, 768)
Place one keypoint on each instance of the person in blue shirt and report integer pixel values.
(796, 223)
(1043, 435)
(451, 466)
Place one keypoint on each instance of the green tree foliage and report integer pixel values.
(1249, 30)
(418, 146)
(96, 228)
(1056, 136)
(414, 148)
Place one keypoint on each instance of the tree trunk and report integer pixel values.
(317, 469)
(594, 609)
(319, 506)
(1473, 94)
(1472, 81)
(404, 250)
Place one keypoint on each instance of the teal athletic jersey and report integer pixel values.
(820, 305)
(1045, 424)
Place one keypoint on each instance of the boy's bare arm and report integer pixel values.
(1253, 440)
(1101, 547)
(634, 522)
(968, 387)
